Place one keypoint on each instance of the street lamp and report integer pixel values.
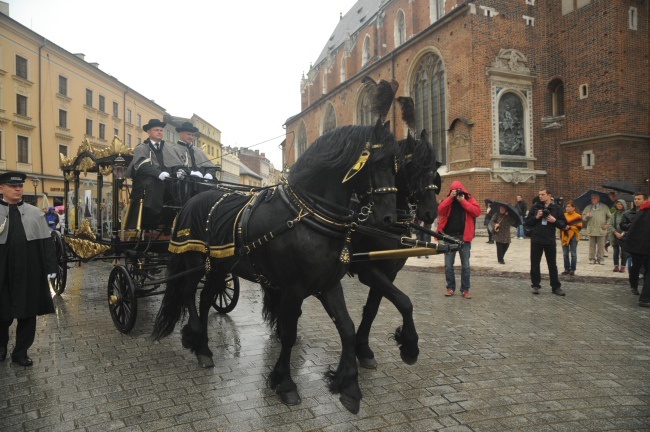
(36, 181)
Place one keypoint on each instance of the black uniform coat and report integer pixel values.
(27, 256)
(147, 164)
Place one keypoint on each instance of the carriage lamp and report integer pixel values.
(35, 181)
(119, 167)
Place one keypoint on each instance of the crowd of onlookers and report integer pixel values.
(623, 227)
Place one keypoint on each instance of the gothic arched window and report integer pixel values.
(366, 51)
(329, 119)
(428, 92)
(556, 91)
(364, 115)
(400, 29)
(302, 139)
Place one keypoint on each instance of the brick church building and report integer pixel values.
(515, 94)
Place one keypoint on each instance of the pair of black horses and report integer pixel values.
(296, 241)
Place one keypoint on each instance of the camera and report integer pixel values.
(545, 213)
(460, 193)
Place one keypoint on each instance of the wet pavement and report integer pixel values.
(504, 360)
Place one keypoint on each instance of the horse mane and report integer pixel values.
(336, 151)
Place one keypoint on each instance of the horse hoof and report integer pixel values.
(205, 361)
(290, 397)
(350, 404)
(408, 359)
(367, 363)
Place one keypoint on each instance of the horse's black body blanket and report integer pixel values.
(193, 231)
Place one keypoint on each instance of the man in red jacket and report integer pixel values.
(457, 218)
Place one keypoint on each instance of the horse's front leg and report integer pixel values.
(280, 377)
(405, 335)
(195, 333)
(365, 355)
(345, 380)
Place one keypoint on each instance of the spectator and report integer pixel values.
(597, 216)
(615, 236)
(637, 242)
(457, 218)
(490, 211)
(569, 237)
(522, 207)
(543, 218)
(612, 196)
(501, 223)
(52, 218)
(628, 218)
(27, 260)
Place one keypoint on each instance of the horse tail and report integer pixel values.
(271, 305)
(172, 308)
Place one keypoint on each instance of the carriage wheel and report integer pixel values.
(122, 299)
(58, 283)
(227, 295)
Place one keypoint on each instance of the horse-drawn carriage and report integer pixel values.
(96, 207)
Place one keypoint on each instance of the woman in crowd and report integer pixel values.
(500, 224)
(615, 237)
(570, 236)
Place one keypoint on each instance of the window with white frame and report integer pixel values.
(63, 119)
(23, 149)
(128, 116)
(63, 85)
(588, 159)
(21, 105)
(89, 97)
(529, 20)
(2, 145)
(21, 67)
(400, 29)
(63, 149)
(633, 18)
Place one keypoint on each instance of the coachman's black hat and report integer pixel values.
(187, 127)
(153, 123)
(13, 178)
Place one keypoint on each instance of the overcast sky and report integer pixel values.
(237, 64)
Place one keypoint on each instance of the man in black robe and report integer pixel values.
(153, 162)
(27, 260)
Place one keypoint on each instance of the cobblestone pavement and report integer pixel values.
(505, 360)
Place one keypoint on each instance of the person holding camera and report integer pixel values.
(457, 218)
(544, 217)
(500, 224)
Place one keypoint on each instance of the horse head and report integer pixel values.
(347, 160)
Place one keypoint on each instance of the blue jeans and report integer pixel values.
(450, 258)
(520, 228)
(572, 247)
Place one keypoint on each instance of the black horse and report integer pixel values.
(418, 183)
(294, 238)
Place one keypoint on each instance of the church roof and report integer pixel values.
(357, 17)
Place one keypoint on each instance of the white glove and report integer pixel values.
(208, 176)
(196, 174)
(180, 174)
(163, 175)
(51, 276)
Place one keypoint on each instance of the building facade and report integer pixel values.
(50, 100)
(514, 94)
